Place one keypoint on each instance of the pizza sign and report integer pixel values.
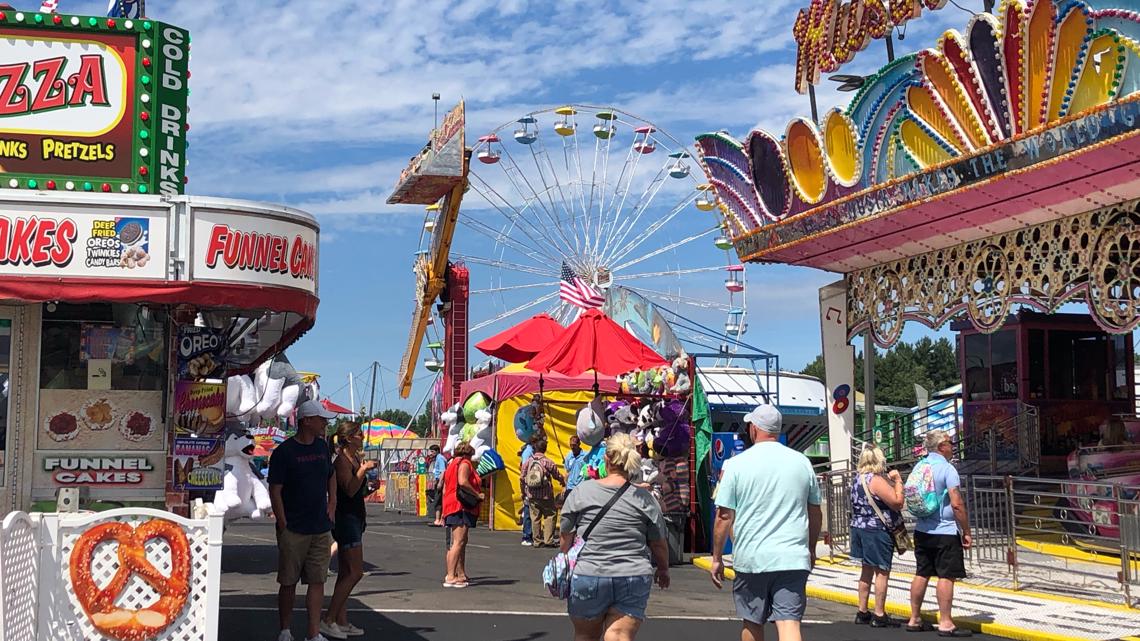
(92, 104)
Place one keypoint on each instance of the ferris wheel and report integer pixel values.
(600, 195)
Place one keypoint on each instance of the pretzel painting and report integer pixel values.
(126, 624)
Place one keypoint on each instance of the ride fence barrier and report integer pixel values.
(1068, 536)
(169, 586)
(401, 492)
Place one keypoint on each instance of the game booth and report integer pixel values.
(590, 379)
(124, 304)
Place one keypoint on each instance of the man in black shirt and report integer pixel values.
(303, 490)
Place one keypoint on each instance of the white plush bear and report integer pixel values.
(241, 398)
(482, 432)
(450, 420)
(243, 494)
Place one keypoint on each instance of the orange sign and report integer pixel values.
(829, 33)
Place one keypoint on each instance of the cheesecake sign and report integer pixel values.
(67, 103)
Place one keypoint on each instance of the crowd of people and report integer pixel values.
(767, 502)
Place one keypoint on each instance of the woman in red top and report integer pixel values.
(459, 519)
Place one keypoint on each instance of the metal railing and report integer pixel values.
(1069, 536)
(1011, 446)
(400, 492)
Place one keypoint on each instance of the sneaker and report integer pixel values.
(332, 630)
(286, 635)
(863, 618)
(319, 637)
(350, 630)
(884, 621)
(527, 543)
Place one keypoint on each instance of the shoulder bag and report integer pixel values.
(897, 532)
(559, 570)
(468, 499)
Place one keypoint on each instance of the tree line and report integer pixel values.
(933, 364)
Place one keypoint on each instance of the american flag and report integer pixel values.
(126, 8)
(576, 291)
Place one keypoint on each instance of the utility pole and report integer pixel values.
(351, 393)
(372, 400)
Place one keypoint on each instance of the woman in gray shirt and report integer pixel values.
(613, 575)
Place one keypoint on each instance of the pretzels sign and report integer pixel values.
(126, 624)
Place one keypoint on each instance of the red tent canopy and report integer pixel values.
(594, 342)
(333, 407)
(520, 343)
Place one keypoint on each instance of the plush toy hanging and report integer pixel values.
(482, 435)
(590, 423)
(278, 388)
(525, 421)
(451, 423)
(682, 383)
(243, 493)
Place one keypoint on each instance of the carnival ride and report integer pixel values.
(994, 170)
(595, 193)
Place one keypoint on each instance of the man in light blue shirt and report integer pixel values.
(435, 474)
(527, 525)
(573, 463)
(940, 539)
(768, 500)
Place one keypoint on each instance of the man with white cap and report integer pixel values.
(302, 487)
(768, 501)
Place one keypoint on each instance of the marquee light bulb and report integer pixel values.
(142, 189)
(106, 187)
(91, 22)
(32, 184)
(50, 184)
(88, 186)
(69, 186)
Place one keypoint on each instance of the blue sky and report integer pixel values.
(319, 106)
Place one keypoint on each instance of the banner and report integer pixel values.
(199, 409)
(201, 353)
(199, 463)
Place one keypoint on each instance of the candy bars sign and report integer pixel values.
(92, 104)
(258, 251)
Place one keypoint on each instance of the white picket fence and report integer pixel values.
(39, 603)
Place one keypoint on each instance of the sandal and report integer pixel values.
(921, 627)
(955, 632)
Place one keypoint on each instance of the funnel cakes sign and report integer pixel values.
(246, 249)
(92, 104)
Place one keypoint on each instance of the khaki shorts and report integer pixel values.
(302, 557)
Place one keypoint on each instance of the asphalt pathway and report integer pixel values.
(401, 597)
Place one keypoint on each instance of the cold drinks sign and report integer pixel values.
(92, 104)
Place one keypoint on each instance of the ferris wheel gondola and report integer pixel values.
(601, 200)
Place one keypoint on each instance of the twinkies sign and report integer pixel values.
(254, 250)
(129, 244)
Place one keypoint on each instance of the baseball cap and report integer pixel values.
(766, 418)
(313, 408)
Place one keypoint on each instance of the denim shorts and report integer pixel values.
(593, 596)
(872, 547)
(348, 531)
